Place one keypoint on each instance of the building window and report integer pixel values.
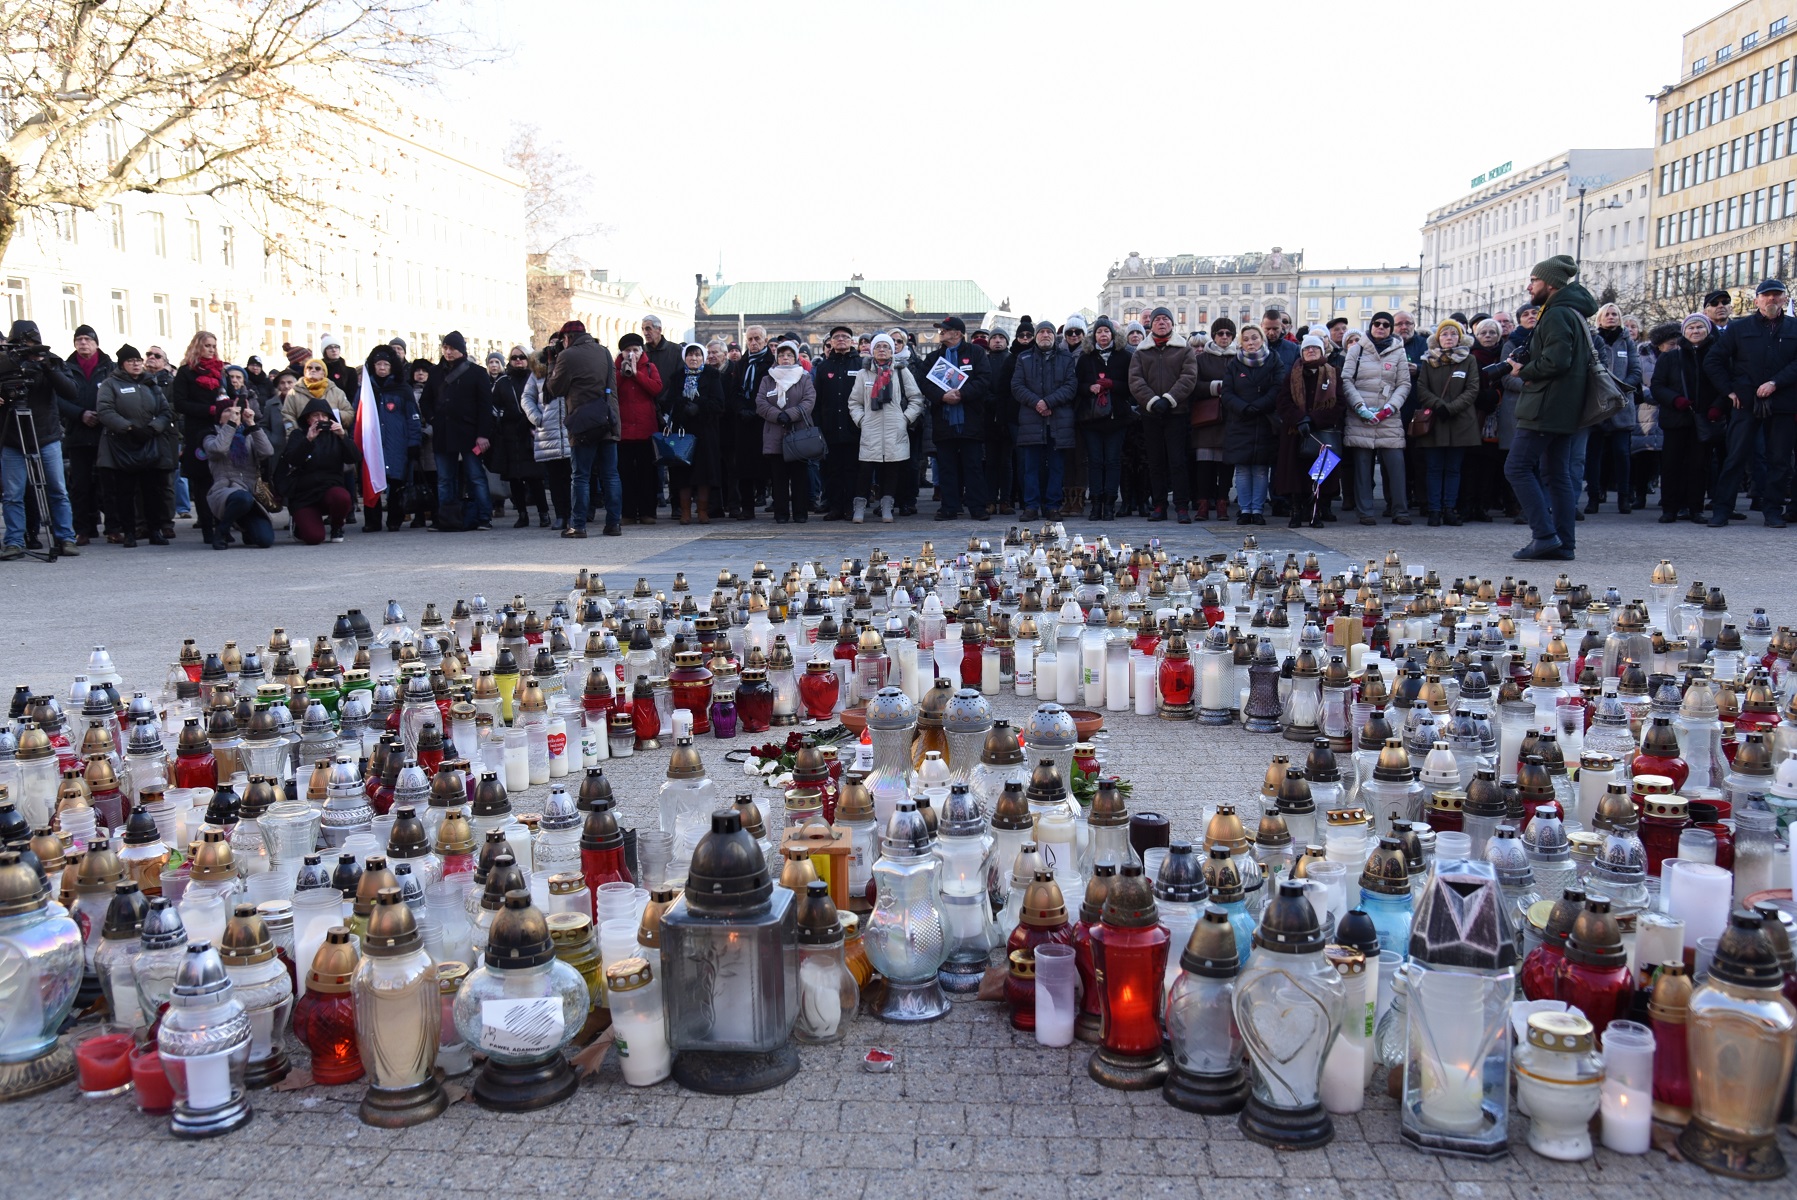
(17, 295)
(1160, 289)
(1223, 289)
(64, 221)
(159, 235)
(1182, 289)
(193, 240)
(165, 317)
(121, 313)
(1204, 289)
(227, 245)
(115, 225)
(1698, 66)
(1724, 53)
(1749, 41)
(1778, 27)
(1281, 289)
(197, 308)
(71, 304)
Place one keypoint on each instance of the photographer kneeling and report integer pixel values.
(31, 376)
(312, 470)
(234, 452)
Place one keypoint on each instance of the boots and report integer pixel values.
(1222, 513)
(860, 514)
(885, 510)
(1201, 511)
(704, 502)
(683, 505)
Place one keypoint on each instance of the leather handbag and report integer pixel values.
(803, 442)
(1422, 423)
(1207, 410)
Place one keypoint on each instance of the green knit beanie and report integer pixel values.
(1556, 272)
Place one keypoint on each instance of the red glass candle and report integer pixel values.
(819, 689)
(1085, 758)
(645, 719)
(1131, 962)
(1659, 754)
(1709, 814)
(103, 1063)
(327, 1024)
(1028, 937)
(1146, 643)
(196, 769)
(1090, 1017)
(1666, 1013)
(596, 699)
(691, 682)
(1595, 976)
(602, 862)
(1540, 969)
(458, 864)
(972, 662)
(755, 701)
(1176, 679)
(1661, 823)
(1020, 990)
(155, 1094)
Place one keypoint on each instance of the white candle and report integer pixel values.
(1699, 894)
(558, 746)
(1067, 690)
(909, 677)
(1048, 674)
(1344, 1077)
(1356, 655)
(643, 1053)
(989, 672)
(1024, 676)
(1628, 1118)
(1116, 685)
(517, 768)
(1054, 1022)
(1145, 689)
(1091, 659)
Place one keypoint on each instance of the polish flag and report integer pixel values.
(368, 441)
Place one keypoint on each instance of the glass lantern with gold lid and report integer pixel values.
(399, 1015)
(41, 963)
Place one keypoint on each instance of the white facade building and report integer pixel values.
(1477, 250)
(424, 234)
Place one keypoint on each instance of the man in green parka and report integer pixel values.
(1552, 367)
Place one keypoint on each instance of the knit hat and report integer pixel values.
(1379, 316)
(1104, 323)
(569, 327)
(1457, 326)
(1159, 312)
(1075, 322)
(494, 356)
(788, 344)
(1048, 325)
(1709, 326)
(399, 344)
(1026, 328)
(126, 353)
(1134, 327)
(321, 362)
(879, 338)
(629, 340)
(86, 331)
(296, 355)
(455, 341)
(1312, 342)
(252, 361)
(1556, 272)
(329, 340)
(1222, 324)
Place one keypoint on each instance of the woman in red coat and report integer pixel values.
(639, 387)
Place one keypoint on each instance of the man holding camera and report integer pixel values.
(582, 374)
(33, 377)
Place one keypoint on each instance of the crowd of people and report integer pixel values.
(1482, 416)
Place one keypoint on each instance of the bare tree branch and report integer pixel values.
(202, 97)
(557, 222)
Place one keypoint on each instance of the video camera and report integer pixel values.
(21, 365)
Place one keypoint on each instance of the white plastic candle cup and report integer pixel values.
(616, 901)
(1452, 844)
(1055, 977)
(1627, 1103)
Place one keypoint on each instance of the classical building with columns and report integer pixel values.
(811, 307)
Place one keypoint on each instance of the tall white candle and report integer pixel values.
(1628, 1118)
(1344, 1087)
(1023, 678)
(1145, 686)
(1067, 689)
(1116, 685)
(1091, 675)
(1048, 675)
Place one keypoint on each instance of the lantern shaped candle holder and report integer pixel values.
(264, 988)
(1129, 952)
(1289, 1005)
(905, 935)
(521, 1006)
(1559, 1075)
(966, 721)
(44, 947)
(399, 1014)
(1739, 1035)
(1461, 979)
(964, 844)
(729, 955)
(1207, 1072)
(204, 1043)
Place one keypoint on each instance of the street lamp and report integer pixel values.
(1578, 256)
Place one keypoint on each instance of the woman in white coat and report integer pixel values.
(885, 403)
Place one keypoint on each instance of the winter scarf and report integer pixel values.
(1253, 358)
(784, 378)
(1381, 344)
(1610, 335)
(209, 373)
(689, 384)
(879, 397)
(316, 387)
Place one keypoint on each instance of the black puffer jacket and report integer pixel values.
(47, 387)
(1250, 428)
(310, 467)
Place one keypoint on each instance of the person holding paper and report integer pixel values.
(958, 418)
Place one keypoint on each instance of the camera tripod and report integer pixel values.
(26, 426)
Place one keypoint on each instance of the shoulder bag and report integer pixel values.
(803, 442)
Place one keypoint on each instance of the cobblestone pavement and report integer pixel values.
(971, 1108)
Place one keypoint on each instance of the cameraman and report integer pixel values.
(40, 383)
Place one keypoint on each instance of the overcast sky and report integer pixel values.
(1029, 145)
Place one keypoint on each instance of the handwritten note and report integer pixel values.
(521, 1026)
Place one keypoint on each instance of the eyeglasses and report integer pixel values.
(1381, 325)
(1075, 334)
(519, 358)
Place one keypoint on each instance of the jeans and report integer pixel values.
(1391, 465)
(1251, 488)
(1104, 463)
(453, 471)
(961, 476)
(1041, 469)
(598, 459)
(1607, 464)
(1540, 473)
(12, 488)
(240, 509)
(1442, 464)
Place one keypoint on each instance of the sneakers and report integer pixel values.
(336, 534)
(860, 515)
(9, 552)
(1539, 550)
